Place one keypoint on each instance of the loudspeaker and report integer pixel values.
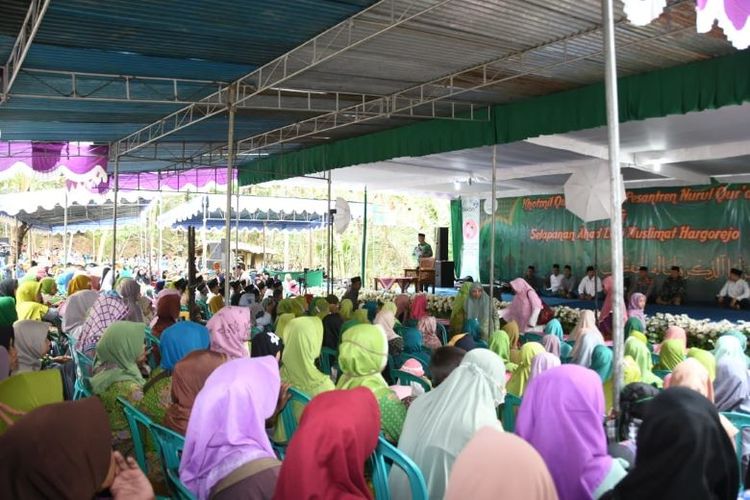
(444, 273)
(441, 243)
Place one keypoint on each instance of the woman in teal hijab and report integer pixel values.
(633, 324)
(413, 348)
(554, 327)
(601, 362)
(743, 342)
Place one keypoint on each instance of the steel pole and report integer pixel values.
(65, 231)
(329, 243)
(203, 234)
(493, 206)
(615, 181)
(228, 212)
(114, 214)
(237, 228)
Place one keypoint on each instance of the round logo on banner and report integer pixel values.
(470, 230)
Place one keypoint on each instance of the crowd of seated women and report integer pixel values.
(437, 390)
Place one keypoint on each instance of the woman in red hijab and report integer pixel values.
(328, 461)
(167, 313)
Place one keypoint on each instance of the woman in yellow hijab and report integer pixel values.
(78, 283)
(520, 378)
(29, 302)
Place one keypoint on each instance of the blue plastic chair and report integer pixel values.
(328, 360)
(170, 446)
(404, 378)
(387, 452)
(531, 337)
(741, 421)
(289, 420)
(510, 407)
(443, 333)
(136, 418)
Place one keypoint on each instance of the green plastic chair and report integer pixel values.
(404, 378)
(151, 342)
(662, 374)
(289, 420)
(655, 358)
(170, 445)
(443, 333)
(328, 360)
(386, 455)
(134, 418)
(741, 421)
(510, 408)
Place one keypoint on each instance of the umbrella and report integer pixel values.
(588, 193)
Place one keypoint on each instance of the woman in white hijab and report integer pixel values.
(585, 345)
(76, 310)
(441, 422)
(586, 321)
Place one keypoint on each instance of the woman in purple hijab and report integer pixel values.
(562, 417)
(226, 433)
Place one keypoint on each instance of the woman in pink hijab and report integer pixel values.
(419, 307)
(230, 331)
(605, 318)
(525, 307)
(402, 307)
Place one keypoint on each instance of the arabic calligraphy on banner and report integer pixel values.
(704, 230)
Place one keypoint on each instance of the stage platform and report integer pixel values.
(694, 311)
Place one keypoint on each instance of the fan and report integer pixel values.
(343, 215)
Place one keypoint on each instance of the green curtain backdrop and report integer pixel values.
(457, 238)
(696, 86)
(702, 229)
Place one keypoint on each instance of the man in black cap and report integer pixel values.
(735, 293)
(423, 249)
(643, 283)
(353, 292)
(673, 289)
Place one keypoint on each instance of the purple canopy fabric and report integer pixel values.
(79, 162)
(196, 178)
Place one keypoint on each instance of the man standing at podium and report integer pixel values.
(423, 249)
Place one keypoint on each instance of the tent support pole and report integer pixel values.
(237, 228)
(65, 230)
(329, 243)
(364, 242)
(114, 213)
(228, 211)
(493, 207)
(615, 179)
(161, 237)
(203, 234)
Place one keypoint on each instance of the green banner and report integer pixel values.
(701, 229)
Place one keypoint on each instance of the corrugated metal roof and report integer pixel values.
(220, 40)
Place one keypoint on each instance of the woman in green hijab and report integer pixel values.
(29, 390)
(363, 354)
(706, 359)
(601, 362)
(636, 349)
(520, 378)
(8, 316)
(500, 345)
(303, 339)
(48, 287)
(282, 322)
(458, 314)
(116, 373)
(345, 309)
(672, 354)
(319, 307)
(358, 317)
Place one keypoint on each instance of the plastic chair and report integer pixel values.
(404, 378)
(443, 333)
(151, 342)
(134, 418)
(386, 451)
(655, 358)
(326, 355)
(82, 389)
(510, 407)
(170, 445)
(288, 419)
(662, 374)
(741, 421)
